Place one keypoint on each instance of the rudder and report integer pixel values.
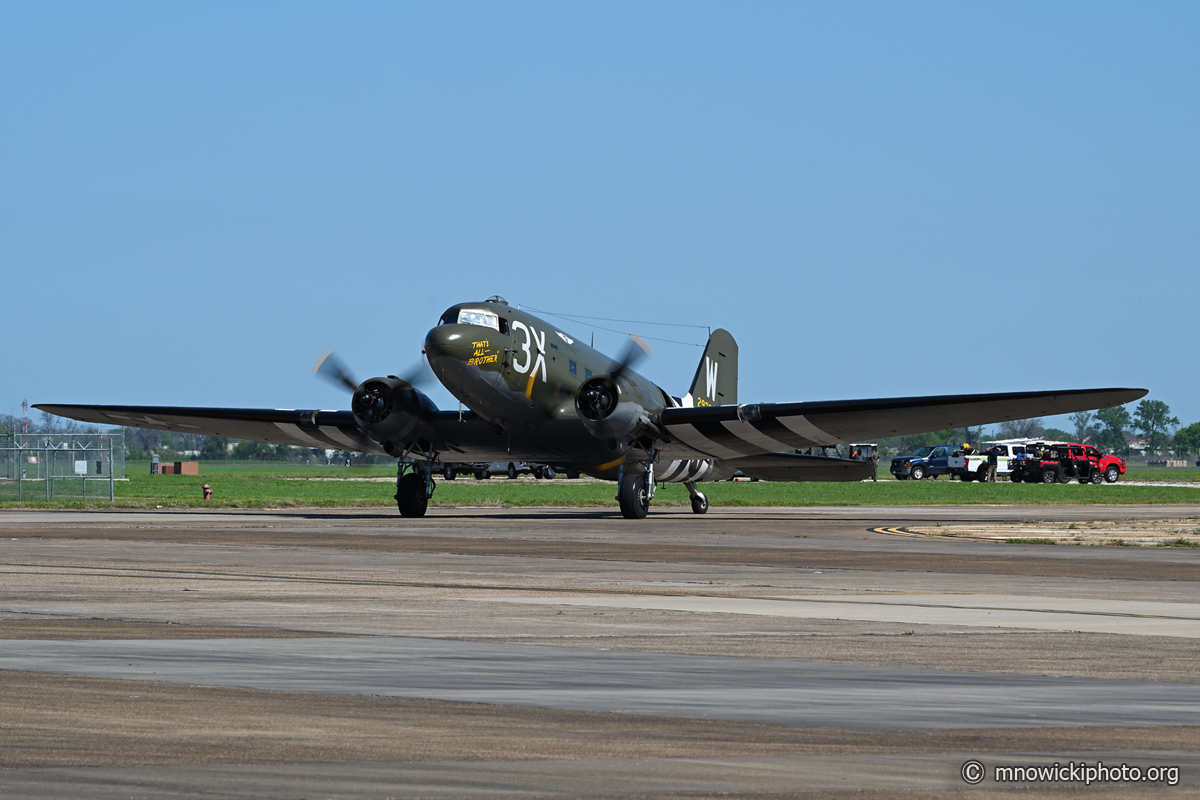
(715, 383)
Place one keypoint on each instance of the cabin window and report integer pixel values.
(572, 364)
(481, 318)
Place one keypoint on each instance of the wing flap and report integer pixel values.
(729, 432)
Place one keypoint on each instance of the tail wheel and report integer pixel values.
(634, 496)
(1112, 474)
(410, 495)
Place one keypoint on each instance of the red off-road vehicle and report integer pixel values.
(1063, 462)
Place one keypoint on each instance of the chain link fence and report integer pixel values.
(48, 467)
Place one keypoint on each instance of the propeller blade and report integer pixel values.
(417, 375)
(331, 368)
(635, 351)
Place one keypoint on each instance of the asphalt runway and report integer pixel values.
(558, 652)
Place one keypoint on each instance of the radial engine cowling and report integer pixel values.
(389, 408)
(612, 408)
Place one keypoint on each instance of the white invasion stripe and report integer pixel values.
(701, 443)
(809, 431)
(333, 433)
(298, 435)
(750, 434)
(704, 465)
(670, 471)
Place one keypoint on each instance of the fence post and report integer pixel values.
(110, 471)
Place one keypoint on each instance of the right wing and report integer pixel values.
(446, 432)
(732, 432)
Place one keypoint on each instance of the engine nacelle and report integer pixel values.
(612, 408)
(389, 408)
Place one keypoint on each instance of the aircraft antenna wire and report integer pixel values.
(579, 317)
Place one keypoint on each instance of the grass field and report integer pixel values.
(267, 485)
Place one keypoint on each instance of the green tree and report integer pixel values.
(1187, 440)
(1085, 426)
(1116, 422)
(1057, 435)
(1153, 419)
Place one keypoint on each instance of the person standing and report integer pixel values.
(993, 455)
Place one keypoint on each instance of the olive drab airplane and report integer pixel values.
(538, 394)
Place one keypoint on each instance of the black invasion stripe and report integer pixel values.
(716, 432)
(782, 433)
(694, 468)
(669, 472)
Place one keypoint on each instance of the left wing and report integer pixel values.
(733, 432)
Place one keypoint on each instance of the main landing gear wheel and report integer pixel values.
(634, 496)
(410, 495)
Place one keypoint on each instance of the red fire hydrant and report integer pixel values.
(207, 492)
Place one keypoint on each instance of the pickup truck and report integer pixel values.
(1063, 461)
(977, 463)
(929, 461)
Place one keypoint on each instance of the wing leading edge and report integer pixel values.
(733, 432)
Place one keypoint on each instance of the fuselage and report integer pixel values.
(521, 374)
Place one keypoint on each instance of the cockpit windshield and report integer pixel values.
(482, 318)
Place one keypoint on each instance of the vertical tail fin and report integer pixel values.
(715, 383)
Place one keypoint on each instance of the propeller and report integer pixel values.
(598, 398)
(635, 351)
(333, 369)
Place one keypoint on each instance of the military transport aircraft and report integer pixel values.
(537, 394)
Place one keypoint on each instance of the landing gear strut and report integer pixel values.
(414, 489)
(699, 501)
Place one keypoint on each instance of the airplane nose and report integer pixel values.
(448, 341)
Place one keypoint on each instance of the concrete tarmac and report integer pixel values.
(480, 652)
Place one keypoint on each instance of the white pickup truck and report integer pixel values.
(977, 463)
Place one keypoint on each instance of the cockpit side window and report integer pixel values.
(481, 318)
(504, 326)
(450, 317)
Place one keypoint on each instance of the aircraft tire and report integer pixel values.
(410, 496)
(699, 504)
(634, 496)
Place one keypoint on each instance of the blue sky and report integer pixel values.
(876, 199)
